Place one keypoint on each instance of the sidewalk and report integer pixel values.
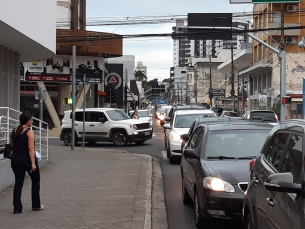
(92, 188)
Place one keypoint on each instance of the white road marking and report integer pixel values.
(154, 135)
(164, 155)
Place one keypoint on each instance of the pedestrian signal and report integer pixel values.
(286, 100)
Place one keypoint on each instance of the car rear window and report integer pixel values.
(262, 116)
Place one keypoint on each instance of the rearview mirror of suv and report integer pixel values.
(102, 120)
(282, 182)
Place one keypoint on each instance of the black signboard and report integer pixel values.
(218, 92)
(157, 90)
(114, 87)
(213, 20)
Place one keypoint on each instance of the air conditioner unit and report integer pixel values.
(291, 40)
(292, 8)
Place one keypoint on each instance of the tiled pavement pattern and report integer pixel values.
(93, 188)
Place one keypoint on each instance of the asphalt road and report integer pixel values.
(179, 215)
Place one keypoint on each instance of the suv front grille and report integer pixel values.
(243, 186)
(143, 126)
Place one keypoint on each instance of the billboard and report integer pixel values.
(212, 20)
(114, 86)
(59, 69)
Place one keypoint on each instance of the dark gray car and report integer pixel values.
(276, 193)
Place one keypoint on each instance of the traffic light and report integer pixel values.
(68, 101)
(286, 100)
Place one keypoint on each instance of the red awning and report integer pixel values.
(102, 93)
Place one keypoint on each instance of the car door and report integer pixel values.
(264, 167)
(79, 123)
(95, 129)
(286, 209)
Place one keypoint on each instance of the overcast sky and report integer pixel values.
(156, 53)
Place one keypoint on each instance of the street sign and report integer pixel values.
(263, 1)
(262, 99)
(218, 92)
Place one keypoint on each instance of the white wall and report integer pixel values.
(34, 18)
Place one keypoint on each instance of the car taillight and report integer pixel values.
(275, 115)
(252, 163)
(248, 117)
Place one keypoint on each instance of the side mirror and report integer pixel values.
(189, 153)
(102, 120)
(184, 137)
(282, 182)
(166, 126)
(168, 119)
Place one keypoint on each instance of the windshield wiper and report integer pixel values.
(221, 157)
(248, 157)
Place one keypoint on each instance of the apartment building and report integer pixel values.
(141, 67)
(264, 71)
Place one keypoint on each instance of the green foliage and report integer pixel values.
(153, 83)
(277, 109)
(140, 76)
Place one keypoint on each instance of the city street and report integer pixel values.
(179, 215)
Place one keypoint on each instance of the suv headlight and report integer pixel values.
(175, 136)
(135, 126)
(217, 184)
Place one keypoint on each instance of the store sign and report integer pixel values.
(218, 92)
(35, 66)
(263, 1)
(113, 78)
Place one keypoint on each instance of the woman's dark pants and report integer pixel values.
(20, 165)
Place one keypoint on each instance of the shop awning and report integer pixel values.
(297, 99)
(102, 93)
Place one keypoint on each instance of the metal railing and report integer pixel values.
(9, 119)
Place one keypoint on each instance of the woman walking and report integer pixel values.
(24, 159)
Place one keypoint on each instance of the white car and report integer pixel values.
(143, 115)
(180, 125)
(105, 124)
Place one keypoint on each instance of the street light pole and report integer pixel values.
(73, 97)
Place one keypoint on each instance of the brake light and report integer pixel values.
(248, 117)
(275, 115)
(252, 163)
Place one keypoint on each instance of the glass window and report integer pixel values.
(117, 115)
(192, 142)
(198, 141)
(292, 159)
(185, 121)
(79, 116)
(95, 116)
(235, 143)
(275, 149)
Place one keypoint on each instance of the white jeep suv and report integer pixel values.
(105, 124)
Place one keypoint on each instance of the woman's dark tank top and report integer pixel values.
(21, 145)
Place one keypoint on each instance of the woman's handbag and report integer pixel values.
(8, 151)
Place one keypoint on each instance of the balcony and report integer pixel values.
(88, 43)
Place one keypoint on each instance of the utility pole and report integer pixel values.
(195, 88)
(210, 94)
(283, 67)
(84, 109)
(238, 93)
(73, 97)
(243, 98)
(232, 80)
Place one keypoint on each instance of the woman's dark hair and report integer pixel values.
(24, 118)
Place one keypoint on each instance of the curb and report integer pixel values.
(147, 219)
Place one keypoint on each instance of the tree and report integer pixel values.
(140, 76)
(153, 83)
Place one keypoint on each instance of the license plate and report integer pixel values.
(147, 133)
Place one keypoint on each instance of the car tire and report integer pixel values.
(165, 142)
(187, 200)
(248, 222)
(91, 143)
(172, 159)
(119, 139)
(139, 142)
(168, 150)
(199, 220)
(162, 122)
(67, 138)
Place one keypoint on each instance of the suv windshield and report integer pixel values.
(117, 115)
(143, 114)
(230, 144)
(185, 121)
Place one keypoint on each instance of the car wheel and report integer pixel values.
(165, 142)
(91, 143)
(168, 150)
(67, 138)
(139, 142)
(162, 122)
(119, 139)
(199, 220)
(185, 195)
(172, 159)
(248, 222)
